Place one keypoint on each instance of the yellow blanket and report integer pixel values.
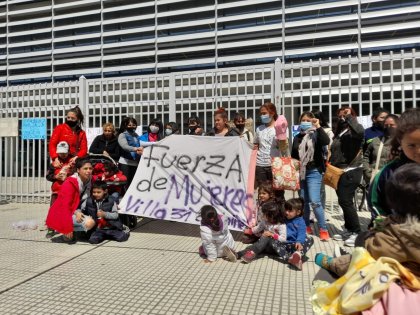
(362, 286)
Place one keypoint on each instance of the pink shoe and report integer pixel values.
(201, 251)
(249, 256)
(296, 260)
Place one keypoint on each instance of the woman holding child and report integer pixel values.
(72, 133)
(62, 216)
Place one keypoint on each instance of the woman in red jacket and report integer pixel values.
(72, 133)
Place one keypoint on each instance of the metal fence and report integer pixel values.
(389, 80)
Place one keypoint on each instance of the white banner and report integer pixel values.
(180, 174)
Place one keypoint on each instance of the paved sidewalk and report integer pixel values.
(157, 271)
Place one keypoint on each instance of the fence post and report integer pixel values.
(172, 97)
(277, 85)
(83, 100)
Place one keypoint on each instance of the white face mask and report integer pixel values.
(154, 129)
(168, 131)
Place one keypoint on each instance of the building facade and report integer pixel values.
(60, 40)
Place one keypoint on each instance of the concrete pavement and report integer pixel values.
(157, 271)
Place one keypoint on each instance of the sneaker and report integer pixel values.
(342, 236)
(296, 260)
(351, 240)
(249, 256)
(50, 233)
(324, 235)
(309, 230)
(230, 254)
(339, 251)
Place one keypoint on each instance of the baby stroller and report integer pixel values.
(98, 163)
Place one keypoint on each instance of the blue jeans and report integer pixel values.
(311, 192)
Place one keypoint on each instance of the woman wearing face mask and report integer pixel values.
(270, 141)
(221, 128)
(154, 133)
(72, 133)
(346, 154)
(308, 148)
(131, 150)
(171, 128)
(377, 144)
(194, 126)
(239, 121)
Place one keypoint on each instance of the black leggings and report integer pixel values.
(129, 171)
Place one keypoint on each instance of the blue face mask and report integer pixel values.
(305, 125)
(265, 119)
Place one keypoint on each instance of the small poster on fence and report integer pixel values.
(34, 128)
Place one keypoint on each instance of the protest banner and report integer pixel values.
(180, 174)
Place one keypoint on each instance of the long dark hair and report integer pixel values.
(125, 122)
(402, 190)
(272, 211)
(78, 112)
(409, 121)
(158, 122)
(321, 117)
(209, 217)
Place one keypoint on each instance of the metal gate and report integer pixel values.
(389, 80)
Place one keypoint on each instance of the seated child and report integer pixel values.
(398, 236)
(215, 235)
(265, 194)
(58, 174)
(112, 174)
(272, 229)
(297, 243)
(103, 210)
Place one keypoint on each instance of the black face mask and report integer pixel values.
(379, 125)
(389, 132)
(192, 128)
(71, 123)
(240, 126)
(130, 129)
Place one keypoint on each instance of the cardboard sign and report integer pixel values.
(34, 128)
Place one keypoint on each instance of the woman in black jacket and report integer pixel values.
(106, 143)
(308, 147)
(346, 154)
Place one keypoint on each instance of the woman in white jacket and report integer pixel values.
(215, 235)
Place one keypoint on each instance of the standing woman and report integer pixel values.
(308, 148)
(130, 151)
(171, 128)
(327, 149)
(221, 127)
(154, 132)
(72, 133)
(270, 141)
(106, 143)
(346, 154)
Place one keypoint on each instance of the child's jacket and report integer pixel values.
(213, 241)
(111, 220)
(296, 230)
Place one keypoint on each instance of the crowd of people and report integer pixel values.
(85, 197)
